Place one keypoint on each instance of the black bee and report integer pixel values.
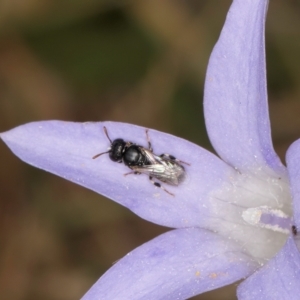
(140, 160)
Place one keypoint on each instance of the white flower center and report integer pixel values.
(254, 209)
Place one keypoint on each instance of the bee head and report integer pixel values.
(116, 150)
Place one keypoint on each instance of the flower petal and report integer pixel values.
(235, 99)
(279, 279)
(176, 265)
(66, 149)
(293, 163)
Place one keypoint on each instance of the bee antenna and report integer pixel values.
(106, 133)
(97, 155)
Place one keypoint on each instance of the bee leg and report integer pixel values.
(148, 140)
(171, 157)
(160, 186)
(132, 172)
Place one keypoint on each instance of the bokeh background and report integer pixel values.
(136, 61)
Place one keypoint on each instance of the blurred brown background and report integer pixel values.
(141, 62)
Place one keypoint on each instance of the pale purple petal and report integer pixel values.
(236, 110)
(66, 149)
(176, 265)
(279, 279)
(293, 163)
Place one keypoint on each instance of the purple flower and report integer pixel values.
(234, 215)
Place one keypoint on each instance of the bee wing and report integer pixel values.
(169, 173)
(152, 158)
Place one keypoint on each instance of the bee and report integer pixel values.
(165, 168)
